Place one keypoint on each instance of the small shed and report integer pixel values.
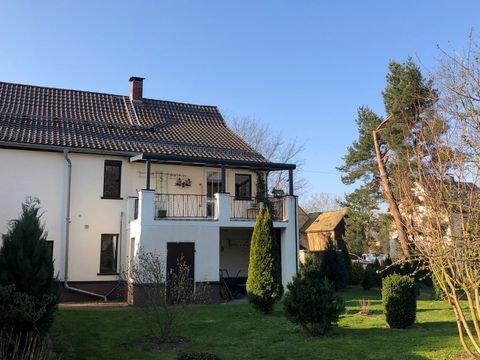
(329, 225)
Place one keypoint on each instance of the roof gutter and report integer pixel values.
(67, 233)
(26, 146)
(136, 156)
(210, 161)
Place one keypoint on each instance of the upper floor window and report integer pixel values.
(243, 186)
(112, 179)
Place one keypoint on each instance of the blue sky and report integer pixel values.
(303, 67)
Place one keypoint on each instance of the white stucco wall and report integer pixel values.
(44, 175)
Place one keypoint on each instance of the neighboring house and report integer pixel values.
(329, 225)
(116, 174)
(305, 220)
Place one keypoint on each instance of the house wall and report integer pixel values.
(171, 173)
(44, 175)
(317, 241)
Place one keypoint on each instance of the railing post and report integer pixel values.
(222, 207)
(146, 206)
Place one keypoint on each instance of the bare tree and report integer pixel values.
(322, 202)
(441, 204)
(275, 148)
(162, 301)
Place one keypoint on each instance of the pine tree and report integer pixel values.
(25, 261)
(407, 97)
(264, 283)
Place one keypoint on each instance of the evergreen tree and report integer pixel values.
(310, 300)
(359, 219)
(407, 97)
(332, 266)
(264, 283)
(261, 193)
(348, 264)
(26, 263)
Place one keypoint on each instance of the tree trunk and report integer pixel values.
(387, 191)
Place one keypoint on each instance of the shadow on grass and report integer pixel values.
(382, 342)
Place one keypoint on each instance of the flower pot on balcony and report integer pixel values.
(162, 214)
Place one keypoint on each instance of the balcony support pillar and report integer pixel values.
(224, 180)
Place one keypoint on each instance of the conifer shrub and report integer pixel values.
(26, 264)
(332, 266)
(310, 300)
(357, 274)
(377, 271)
(264, 283)
(369, 277)
(399, 300)
(20, 313)
(347, 261)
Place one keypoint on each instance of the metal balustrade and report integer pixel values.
(248, 209)
(186, 206)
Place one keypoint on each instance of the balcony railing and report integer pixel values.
(248, 209)
(190, 206)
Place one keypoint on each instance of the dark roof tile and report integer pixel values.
(80, 119)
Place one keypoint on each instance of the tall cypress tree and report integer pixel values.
(264, 283)
(25, 260)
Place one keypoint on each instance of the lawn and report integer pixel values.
(238, 332)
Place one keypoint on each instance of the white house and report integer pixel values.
(118, 173)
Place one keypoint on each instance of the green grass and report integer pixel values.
(238, 332)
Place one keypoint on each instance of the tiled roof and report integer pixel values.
(33, 115)
(326, 221)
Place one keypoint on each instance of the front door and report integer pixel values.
(180, 265)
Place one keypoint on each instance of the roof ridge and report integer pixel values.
(109, 94)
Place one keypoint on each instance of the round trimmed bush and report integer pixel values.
(399, 301)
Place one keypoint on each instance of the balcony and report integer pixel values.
(183, 206)
(248, 209)
(150, 206)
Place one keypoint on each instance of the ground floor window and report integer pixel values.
(50, 248)
(108, 253)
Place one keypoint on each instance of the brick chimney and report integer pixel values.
(136, 88)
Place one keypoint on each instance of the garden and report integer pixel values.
(237, 331)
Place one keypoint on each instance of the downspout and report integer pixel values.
(296, 233)
(67, 233)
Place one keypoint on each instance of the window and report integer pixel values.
(50, 248)
(111, 179)
(214, 185)
(108, 254)
(243, 186)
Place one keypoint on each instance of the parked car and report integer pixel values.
(370, 258)
(382, 257)
(358, 260)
